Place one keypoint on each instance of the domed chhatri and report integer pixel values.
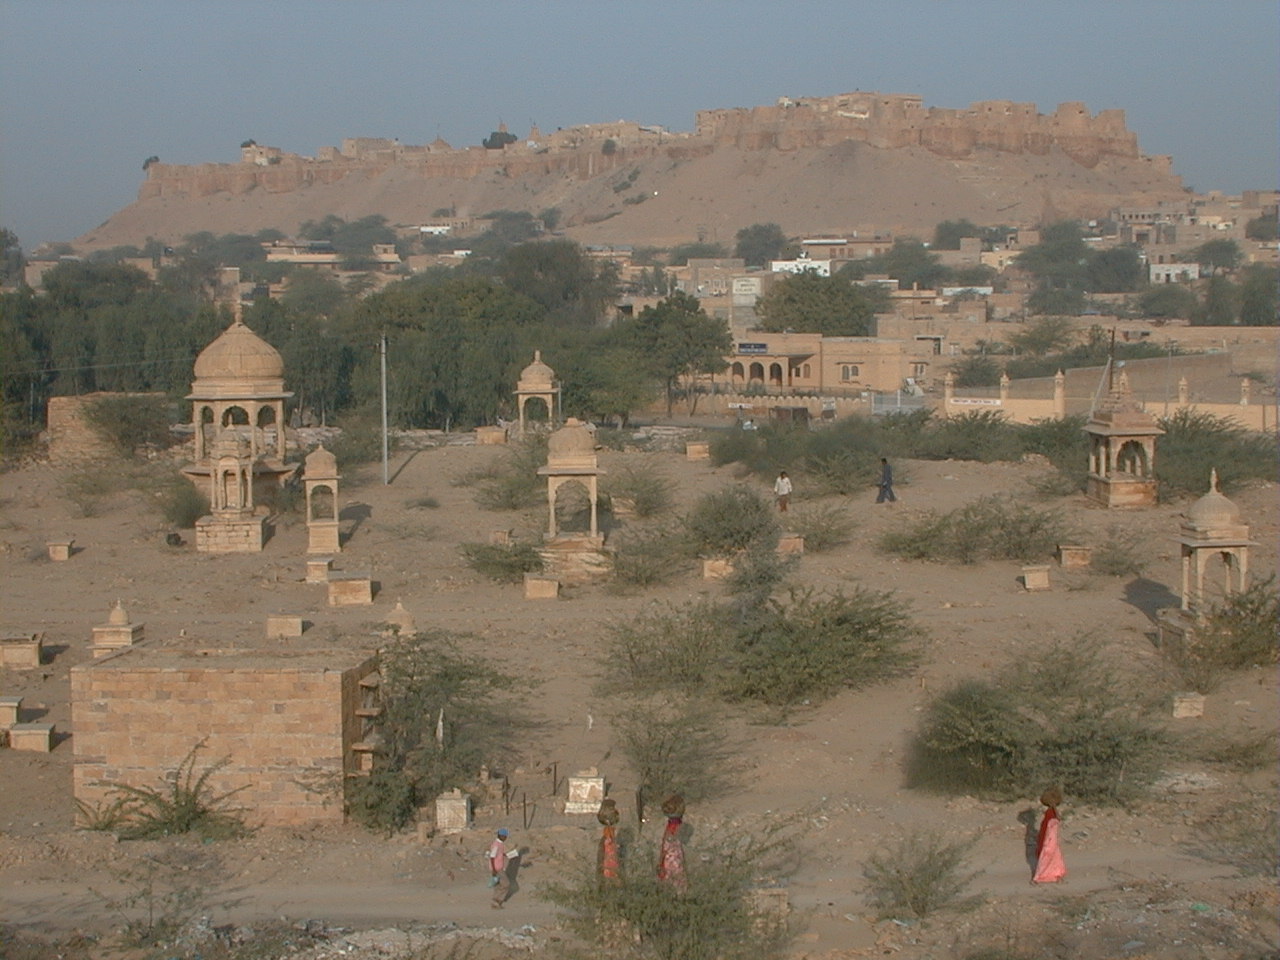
(1122, 450)
(238, 356)
(537, 382)
(1213, 510)
(571, 458)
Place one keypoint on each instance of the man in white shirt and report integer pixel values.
(782, 490)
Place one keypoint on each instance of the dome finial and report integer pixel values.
(1213, 480)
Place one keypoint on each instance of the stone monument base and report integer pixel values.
(216, 534)
(575, 559)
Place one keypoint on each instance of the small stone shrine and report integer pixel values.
(116, 633)
(1122, 450)
(586, 791)
(237, 403)
(1211, 529)
(537, 381)
(320, 481)
(573, 558)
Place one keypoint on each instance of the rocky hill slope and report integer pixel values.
(860, 161)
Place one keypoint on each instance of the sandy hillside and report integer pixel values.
(1135, 889)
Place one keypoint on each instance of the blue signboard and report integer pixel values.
(753, 348)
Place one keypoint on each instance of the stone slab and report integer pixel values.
(586, 791)
(10, 710)
(1188, 706)
(284, 625)
(350, 590)
(1074, 556)
(790, 544)
(22, 651)
(35, 737)
(323, 537)
(489, 436)
(60, 550)
(697, 451)
(318, 569)
(1035, 578)
(540, 588)
(716, 569)
(453, 812)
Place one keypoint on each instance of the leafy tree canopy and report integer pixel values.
(760, 243)
(809, 303)
(701, 250)
(675, 339)
(1217, 255)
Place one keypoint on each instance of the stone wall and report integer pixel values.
(71, 438)
(285, 721)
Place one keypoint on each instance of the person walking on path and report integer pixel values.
(782, 490)
(499, 879)
(886, 483)
(1050, 867)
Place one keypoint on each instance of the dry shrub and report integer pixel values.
(1064, 714)
(667, 648)
(506, 563)
(823, 526)
(649, 491)
(647, 556)
(676, 745)
(1120, 555)
(727, 521)
(1243, 833)
(918, 875)
(986, 529)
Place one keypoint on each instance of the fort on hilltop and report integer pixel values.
(885, 121)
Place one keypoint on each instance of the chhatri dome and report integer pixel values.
(536, 374)
(572, 442)
(239, 357)
(1213, 510)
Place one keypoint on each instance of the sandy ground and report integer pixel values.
(1134, 879)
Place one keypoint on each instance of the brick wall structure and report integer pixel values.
(287, 721)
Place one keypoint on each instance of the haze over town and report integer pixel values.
(91, 89)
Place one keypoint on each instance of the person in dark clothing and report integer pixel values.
(886, 482)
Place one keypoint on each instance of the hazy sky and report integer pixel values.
(90, 88)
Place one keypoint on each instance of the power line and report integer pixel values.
(32, 371)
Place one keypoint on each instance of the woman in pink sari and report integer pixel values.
(671, 853)
(608, 858)
(1050, 867)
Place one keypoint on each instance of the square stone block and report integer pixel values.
(1188, 705)
(1074, 557)
(716, 569)
(540, 588)
(318, 569)
(1036, 577)
(586, 790)
(488, 436)
(790, 543)
(230, 534)
(500, 538)
(697, 451)
(350, 590)
(60, 549)
(453, 812)
(36, 737)
(22, 651)
(284, 625)
(10, 710)
(322, 537)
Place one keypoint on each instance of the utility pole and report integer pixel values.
(382, 351)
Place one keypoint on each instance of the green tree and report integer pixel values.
(498, 139)
(1060, 262)
(1220, 305)
(809, 303)
(1217, 255)
(1166, 301)
(760, 243)
(908, 261)
(976, 370)
(1261, 228)
(1043, 336)
(1048, 300)
(1258, 296)
(676, 339)
(11, 258)
(948, 234)
(558, 274)
(314, 293)
(1118, 270)
(701, 250)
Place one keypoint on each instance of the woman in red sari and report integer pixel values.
(671, 853)
(608, 859)
(1050, 867)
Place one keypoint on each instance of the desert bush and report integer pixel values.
(360, 441)
(667, 648)
(105, 816)
(445, 714)
(1194, 442)
(676, 745)
(1061, 441)
(186, 804)
(648, 556)
(383, 802)
(130, 421)
(422, 503)
(824, 526)
(1256, 751)
(756, 574)
(726, 521)
(1059, 483)
(506, 563)
(918, 875)
(182, 504)
(513, 482)
(1061, 715)
(87, 488)
(983, 435)
(1119, 555)
(986, 529)
(643, 918)
(738, 446)
(813, 645)
(1243, 833)
(1243, 629)
(649, 491)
